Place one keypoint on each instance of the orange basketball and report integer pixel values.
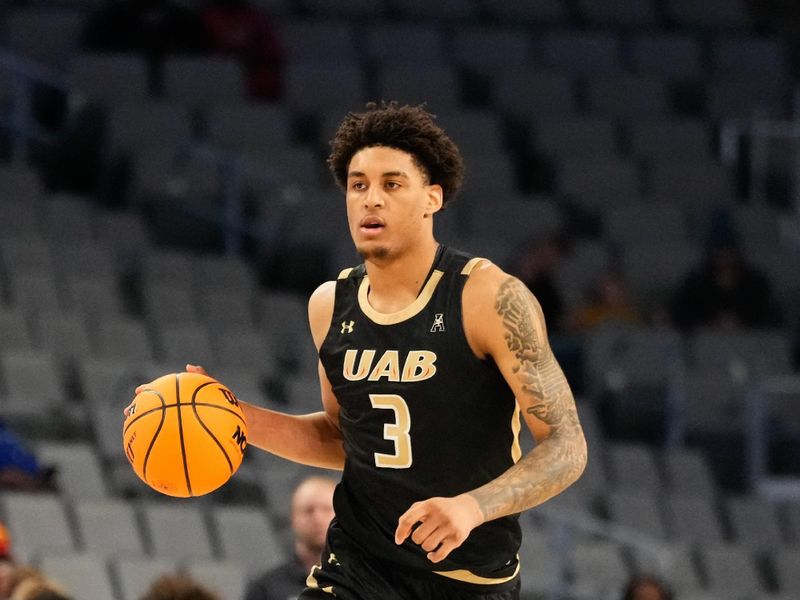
(185, 434)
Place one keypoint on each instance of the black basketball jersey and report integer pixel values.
(421, 416)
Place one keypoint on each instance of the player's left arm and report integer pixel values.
(504, 321)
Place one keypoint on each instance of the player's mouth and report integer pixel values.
(371, 225)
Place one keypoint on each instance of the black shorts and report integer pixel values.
(348, 573)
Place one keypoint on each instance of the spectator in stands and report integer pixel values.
(536, 267)
(609, 301)
(177, 587)
(238, 29)
(19, 468)
(312, 511)
(646, 587)
(154, 28)
(30, 584)
(724, 291)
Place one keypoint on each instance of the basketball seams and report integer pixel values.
(210, 433)
(203, 425)
(213, 437)
(180, 433)
(155, 435)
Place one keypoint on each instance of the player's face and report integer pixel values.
(389, 202)
(312, 511)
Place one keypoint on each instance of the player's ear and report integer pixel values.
(435, 199)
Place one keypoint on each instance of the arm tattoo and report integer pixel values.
(559, 459)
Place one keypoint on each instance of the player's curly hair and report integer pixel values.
(411, 129)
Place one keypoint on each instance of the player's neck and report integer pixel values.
(396, 283)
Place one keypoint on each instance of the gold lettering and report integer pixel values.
(388, 366)
(419, 365)
(363, 365)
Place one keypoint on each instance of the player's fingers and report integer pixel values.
(423, 533)
(127, 410)
(196, 369)
(443, 551)
(433, 541)
(407, 521)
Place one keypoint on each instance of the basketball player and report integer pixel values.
(427, 358)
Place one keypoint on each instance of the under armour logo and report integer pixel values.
(438, 322)
(347, 326)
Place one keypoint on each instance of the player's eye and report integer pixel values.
(392, 185)
(358, 185)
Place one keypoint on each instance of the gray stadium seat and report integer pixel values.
(731, 571)
(109, 78)
(744, 99)
(675, 139)
(146, 124)
(198, 81)
(391, 44)
(345, 87)
(188, 342)
(124, 338)
(653, 270)
(633, 466)
(437, 86)
(109, 528)
(79, 474)
(639, 510)
(619, 13)
(318, 43)
(690, 180)
(227, 579)
(627, 96)
(784, 562)
(529, 94)
(33, 382)
(168, 267)
(484, 50)
(344, 8)
(680, 570)
(693, 518)
(714, 14)
(35, 293)
(14, 330)
(244, 348)
(136, 574)
(20, 211)
(224, 273)
(645, 222)
(676, 55)
(594, 182)
(247, 537)
(687, 472)
(477, 132)
(741, 354)
(579, 52)
(539, 565)
(598, 569)
(446, 10)
(248, 126)
(225, 310)
(543, 11)
(570, 138)
(84, 576)
(48, 35)
(38, 523)
(754, 522)
(737, 56)
(176, 531)
(166, 304)
(29, 254)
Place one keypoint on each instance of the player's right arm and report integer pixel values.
(312, 439)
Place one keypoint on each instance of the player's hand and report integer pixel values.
(189, 369)
(443, 524)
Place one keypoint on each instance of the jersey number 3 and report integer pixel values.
(396, 432)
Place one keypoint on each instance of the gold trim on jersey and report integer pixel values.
(516, 449)
(312, 582)
(401, 315)
(345, 273)
(471, 264)
(470, 577)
